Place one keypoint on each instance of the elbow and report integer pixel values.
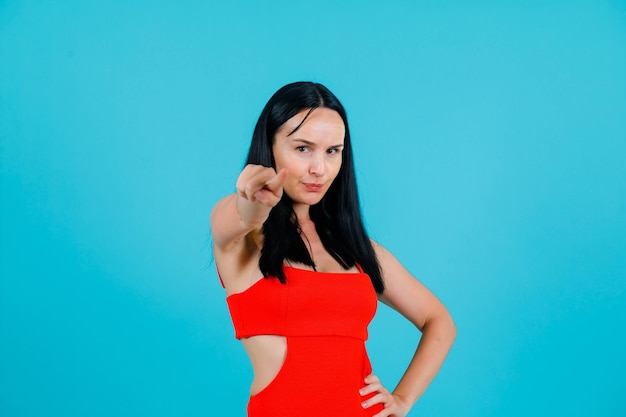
(448, 327)
(451, 330)
(443, 328)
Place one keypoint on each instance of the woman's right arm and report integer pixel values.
(238, 215)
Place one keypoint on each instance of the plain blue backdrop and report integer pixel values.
(490, 143)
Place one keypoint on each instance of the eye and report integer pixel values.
(302, 148)
(333, 151)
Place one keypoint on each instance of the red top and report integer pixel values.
(310, 304)
(323, 317)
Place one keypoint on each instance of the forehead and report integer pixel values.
(320, 123)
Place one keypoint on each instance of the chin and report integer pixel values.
(309, 199)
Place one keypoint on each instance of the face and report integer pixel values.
(311, 154)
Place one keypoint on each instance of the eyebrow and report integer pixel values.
(306, 142)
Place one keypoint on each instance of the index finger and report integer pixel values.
(277, 182)
(255, 180)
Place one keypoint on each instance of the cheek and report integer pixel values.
(336, 169)
(281, 163)
(282, 160)
(292, 176)
(294, 166)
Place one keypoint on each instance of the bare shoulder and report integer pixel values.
(391, 268)
(405, 293)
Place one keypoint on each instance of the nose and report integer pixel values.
(318, 165)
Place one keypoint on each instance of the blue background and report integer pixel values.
(490, 145)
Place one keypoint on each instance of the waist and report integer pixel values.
(321, 375)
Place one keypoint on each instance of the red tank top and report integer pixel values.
(310, 304)
(324, 317)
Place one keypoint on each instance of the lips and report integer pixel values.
(313, 187)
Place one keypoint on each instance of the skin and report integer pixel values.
(307, 162)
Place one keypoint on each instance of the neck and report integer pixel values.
(302, 212)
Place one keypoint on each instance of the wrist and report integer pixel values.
(249, 213)
(405, 402)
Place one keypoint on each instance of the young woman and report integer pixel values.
(302, 277)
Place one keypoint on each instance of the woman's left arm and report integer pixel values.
(414, 301)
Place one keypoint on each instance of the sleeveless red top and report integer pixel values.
(324, 317)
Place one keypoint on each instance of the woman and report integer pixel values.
(302, 277)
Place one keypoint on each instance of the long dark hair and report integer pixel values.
(337, 216)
